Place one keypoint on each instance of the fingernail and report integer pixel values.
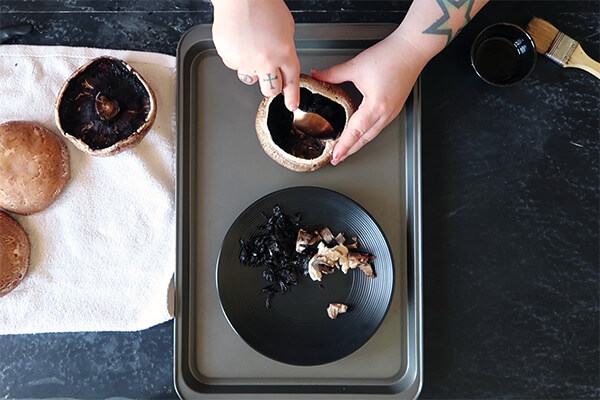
(337, 159)
(292, 107)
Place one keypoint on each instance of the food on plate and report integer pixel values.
(286, 252)
(361, 261)
(305, 239)
(327, 260)
(333, 253)
(34, 167)
(105, 107)
(289, 146)
(335, 309)
(272, 248)
(14, 253)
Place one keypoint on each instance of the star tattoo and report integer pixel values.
(456, 14)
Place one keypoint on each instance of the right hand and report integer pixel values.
(385, 73)
(256, 39)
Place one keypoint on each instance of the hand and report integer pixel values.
(385, 74)
(256, 38)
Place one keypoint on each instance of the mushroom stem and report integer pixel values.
(106, 108)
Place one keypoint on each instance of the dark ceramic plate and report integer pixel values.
(296, 329)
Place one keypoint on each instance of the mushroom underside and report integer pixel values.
(295, 142)
(104, 104)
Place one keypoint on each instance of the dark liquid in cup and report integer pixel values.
(497, 59)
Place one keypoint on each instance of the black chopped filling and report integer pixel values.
(104, 79)
(279, 122)
(273, 248)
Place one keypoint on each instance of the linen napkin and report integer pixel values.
(103, 254)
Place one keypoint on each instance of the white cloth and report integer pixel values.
(103, 254)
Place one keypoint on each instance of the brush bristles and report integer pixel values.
(543, 33)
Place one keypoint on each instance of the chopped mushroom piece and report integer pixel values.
(340, 239)
(316, 269)
(306, 239)
(336, 308)
(332, 252)
(326, 235)
(356, 258)
(368, 270)
(354, 244)
(333, 257)
(361, 261)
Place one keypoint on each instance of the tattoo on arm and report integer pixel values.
(456, 14)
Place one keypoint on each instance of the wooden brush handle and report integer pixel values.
(581, 60)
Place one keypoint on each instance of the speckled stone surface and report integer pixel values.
(511, 221)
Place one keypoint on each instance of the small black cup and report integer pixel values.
(503, 54)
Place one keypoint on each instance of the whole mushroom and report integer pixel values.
(15, 251)
(289, 146)
(34, 167)
(105, 107)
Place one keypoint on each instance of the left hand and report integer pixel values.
(256, 38)
(385, 74)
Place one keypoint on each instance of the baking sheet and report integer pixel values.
(222, 169)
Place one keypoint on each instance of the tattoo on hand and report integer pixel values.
(270, 79)
(456, 14)
(247, 79)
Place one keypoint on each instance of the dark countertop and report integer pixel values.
(511, 194)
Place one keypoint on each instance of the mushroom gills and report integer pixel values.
(104, 104)
(294, 141)
(106, 108)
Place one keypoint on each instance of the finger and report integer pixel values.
(270, 82)
(228, 62)
(367, 137)
(336, 74)
(291, 85)
(248, 79)
(357, 132)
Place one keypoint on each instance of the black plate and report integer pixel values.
(296, 329)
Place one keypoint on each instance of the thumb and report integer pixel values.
(336, 74)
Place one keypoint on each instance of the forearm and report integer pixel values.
(430, 25)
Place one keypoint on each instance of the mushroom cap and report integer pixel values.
(315, 96)
(34, 167)
(14, 253)
(105, 107)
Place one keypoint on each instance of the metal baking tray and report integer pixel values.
(222, 169)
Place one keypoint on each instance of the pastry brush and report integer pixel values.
(560, 48)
